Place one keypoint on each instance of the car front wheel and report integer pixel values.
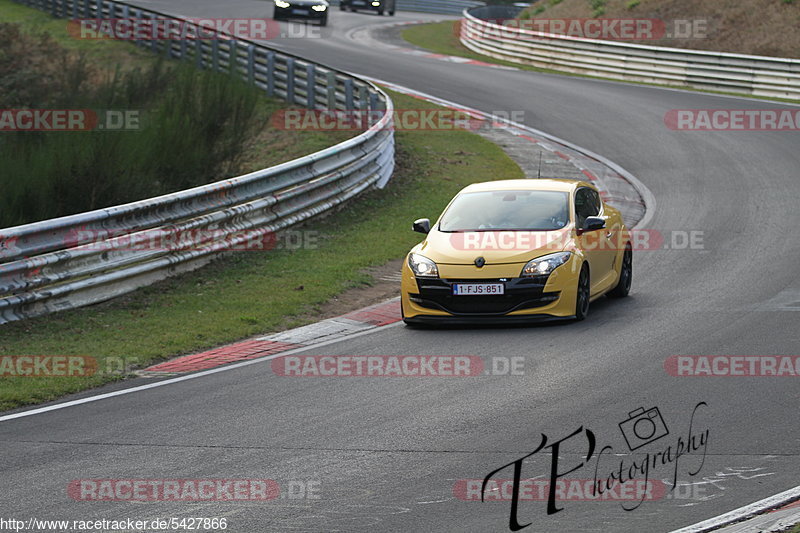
(625, 275)
(583, 294)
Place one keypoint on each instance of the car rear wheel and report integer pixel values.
(625, 275)
(583, 294)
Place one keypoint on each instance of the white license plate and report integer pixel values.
(478, 289)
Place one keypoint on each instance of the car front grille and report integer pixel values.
(520, 293)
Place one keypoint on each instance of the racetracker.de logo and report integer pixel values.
(404, 120)
(396, 366)
(733, 365)
(176, 490)
(565, 490)
(46, 366)
(558, 240)
(159, 29)
(606, 29)
(732, 119)
(69, 120)
(171, 239)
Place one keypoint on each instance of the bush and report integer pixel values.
(193, 131)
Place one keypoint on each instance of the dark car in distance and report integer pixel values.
(380, 6)
(302, 9)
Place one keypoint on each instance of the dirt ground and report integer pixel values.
(757, 27)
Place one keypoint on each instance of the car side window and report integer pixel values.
(595, 199)
(587, 204)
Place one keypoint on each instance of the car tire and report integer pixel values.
(380, 12)
(342, 7)
(623, 287)
(391, 13)
(323, 21)
(582, 294)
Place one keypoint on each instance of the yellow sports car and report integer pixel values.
(516, 251)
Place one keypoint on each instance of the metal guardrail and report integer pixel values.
(59, 264)
(444, 7)
(754, 75)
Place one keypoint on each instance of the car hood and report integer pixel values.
(496, 247)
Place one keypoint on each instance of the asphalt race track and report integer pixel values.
(385, 454)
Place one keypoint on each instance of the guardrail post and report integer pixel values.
(271, 73)
(331, 86)
(348, 95)
(251, 64)
(184, 50)
(290, 80)
(215, 55)
(198, 53)
(363, 98)
(311, 86)
(233, 56)
(98, 8)
(154, 37)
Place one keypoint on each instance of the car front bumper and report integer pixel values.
(541, 298)
(299, 12)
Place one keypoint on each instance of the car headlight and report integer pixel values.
(281, 3)
(542, 266)
(422, 266)
(319, 8)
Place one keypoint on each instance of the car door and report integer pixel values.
(596, 245)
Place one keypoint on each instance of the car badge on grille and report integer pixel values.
(479, 262)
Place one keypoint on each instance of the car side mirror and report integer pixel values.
(422, 225)
(593, 224)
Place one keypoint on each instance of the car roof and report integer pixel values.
(541, 184)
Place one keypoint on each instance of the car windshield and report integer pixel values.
(507, 211)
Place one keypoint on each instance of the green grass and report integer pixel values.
(441, 38)
(796, 528)
(251, 293)
(111, 52)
